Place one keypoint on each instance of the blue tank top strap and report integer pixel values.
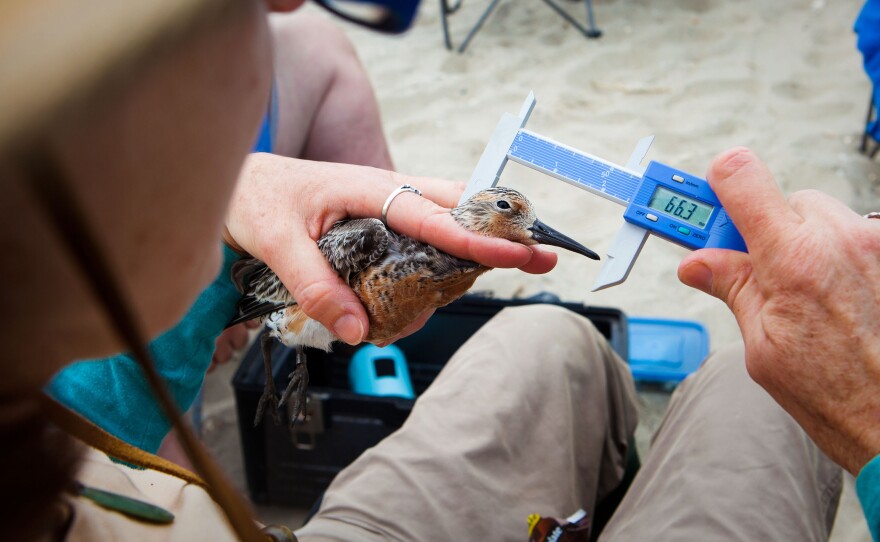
(266, 138)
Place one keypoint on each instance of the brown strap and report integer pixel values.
(84, 430)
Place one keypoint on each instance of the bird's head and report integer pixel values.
(505, 213)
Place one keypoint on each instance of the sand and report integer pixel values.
(782, 77)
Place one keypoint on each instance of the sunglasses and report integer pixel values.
(391, 16)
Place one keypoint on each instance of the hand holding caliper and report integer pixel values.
(659, 199)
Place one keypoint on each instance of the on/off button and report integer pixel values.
(684, 231)
(652, 218)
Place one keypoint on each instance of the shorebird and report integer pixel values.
(396, 278)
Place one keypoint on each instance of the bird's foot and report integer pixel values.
(268, 398)
(296, 388)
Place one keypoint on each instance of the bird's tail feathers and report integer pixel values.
(249, 308)
(245, 273)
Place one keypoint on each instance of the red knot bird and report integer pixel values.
(396, 278)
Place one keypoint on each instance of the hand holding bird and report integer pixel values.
(282, 206)
(396, 278)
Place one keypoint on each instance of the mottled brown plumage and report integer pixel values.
(396, 278)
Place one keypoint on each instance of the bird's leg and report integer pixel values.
(299, 381)
(269, 396)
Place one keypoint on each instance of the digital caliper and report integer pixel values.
(659, 199)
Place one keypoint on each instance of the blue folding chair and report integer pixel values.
(449, 7)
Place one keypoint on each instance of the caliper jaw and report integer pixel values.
(630, 238)
(621, 256)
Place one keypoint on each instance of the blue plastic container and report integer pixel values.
(380, 372)
(665, 350)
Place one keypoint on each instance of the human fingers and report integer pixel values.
(280, 208)
(815, 204)
(442, 192)
(751, 197)
(726, 275)
(542, 261)
(222, 353)
(425, 218)
(237, 336)
(319, 290)
(228, 343)
(448, 193)
(422, 219)
(338, 191)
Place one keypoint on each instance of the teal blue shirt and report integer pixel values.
(112, 391)
(868, 489)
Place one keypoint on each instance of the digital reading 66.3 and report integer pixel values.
(684, 208)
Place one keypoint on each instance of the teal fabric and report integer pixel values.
(868, 489)
(112, 391)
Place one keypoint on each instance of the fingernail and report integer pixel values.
(349, 329)
(698, 276)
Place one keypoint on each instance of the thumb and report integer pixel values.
(320, 292)
(719, 273)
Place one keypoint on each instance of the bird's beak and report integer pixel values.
(544, 234)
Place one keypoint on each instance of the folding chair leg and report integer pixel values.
(591, 32)
(864, 146)
(445, 11)
(477, 26)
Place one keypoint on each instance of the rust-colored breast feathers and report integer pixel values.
(393, 305)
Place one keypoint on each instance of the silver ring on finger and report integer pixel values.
(397, 192)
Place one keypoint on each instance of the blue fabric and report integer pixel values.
(112, 392)
(266, 139)
(868, 490)
(867, 28)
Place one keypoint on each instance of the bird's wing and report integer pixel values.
(438, 271)
(262, 290)
(352, 245)
(426, 260)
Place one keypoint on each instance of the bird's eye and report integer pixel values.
(501, 204)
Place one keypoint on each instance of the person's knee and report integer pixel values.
(314, 60)
(723, 379)
(554, 339)
(549, 320)
(307, 31)
(727, 363)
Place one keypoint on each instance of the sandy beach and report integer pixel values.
(783, 78)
